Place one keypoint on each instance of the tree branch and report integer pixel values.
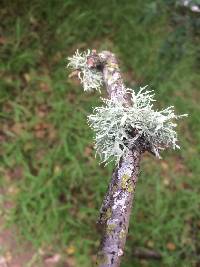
(116, 208)
(125, 127)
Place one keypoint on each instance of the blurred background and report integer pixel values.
(51, 184)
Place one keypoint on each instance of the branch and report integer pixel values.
(125, 127)
(116, 208)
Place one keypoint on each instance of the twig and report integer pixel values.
(116, 210)
(116, 207)
(136, 128)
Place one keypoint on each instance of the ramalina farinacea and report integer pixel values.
(117, 126)
(125, 126)
(91, 78)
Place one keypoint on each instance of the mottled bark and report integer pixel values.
(117, 204)
(116, 210)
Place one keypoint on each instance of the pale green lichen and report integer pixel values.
(118, 127)
(91, 78)
(114, 188)
(122, 234)
(126, 183)
(110, 228)
(107, 215)
(125, 179)
(130, 187)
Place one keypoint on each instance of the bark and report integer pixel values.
(116, 208)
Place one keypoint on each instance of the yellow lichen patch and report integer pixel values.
(112, 65)
(126, 183)
(125, 179)
(108, 214)
(110, 228)
(122, 234)
(114, 188)
(130, 187)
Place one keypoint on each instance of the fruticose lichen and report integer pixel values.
(91, 78)
(118, 127)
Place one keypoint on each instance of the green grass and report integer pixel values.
(59, 185)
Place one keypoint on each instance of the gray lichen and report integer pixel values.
(91, 78)
(118, 127)
(125, 126)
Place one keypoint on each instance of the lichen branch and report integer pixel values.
(125, 127)
(125, 116)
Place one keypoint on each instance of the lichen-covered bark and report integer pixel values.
(107, 62)
(112, 76)
(116, 207)
(124, 135)
(116, 210)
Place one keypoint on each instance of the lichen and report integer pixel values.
(110, 228)
(91, 78)
(130, 187)
(114, 188)
(126, 183)
(118, 127)
(125, 179)
(122, 234)
(107, 215)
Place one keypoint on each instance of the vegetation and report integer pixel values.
(48, 168)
